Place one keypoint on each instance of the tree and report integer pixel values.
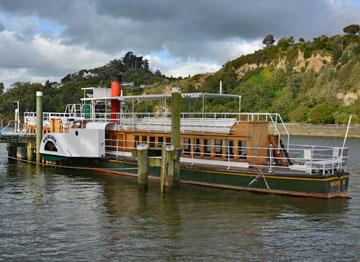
(284, 43)
(146, 65)
(291, 40)
(352, 29)
(301, 40)
(1, 88)
(128, 59)
(157, 73)
(321, 114)
(268, 40)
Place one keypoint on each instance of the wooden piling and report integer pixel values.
(39, 124)
(175, 132)
(143, 165)
(167, 169)
(12, 150)
(29, 152)
(21, 152)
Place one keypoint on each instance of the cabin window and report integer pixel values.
(137, 138)
(144, 139)
(160, 141)
(207, 147)
(197, 146)
(168, 141)
(152, 141)
(229, 149)
(50, 146)
(187, 146)
(218, 147)
(242, 149)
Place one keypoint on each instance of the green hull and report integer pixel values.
(53, 158)
(334, 185)
(329, 186)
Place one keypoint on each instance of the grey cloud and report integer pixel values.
(185, 28)
(2, 27)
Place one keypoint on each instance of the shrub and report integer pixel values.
(299, 114)
(352, 29)
(321, 114)
(268, 40)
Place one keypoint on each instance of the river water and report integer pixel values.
(52, 214)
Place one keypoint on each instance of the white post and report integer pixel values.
(17, 117)
(220, 89)
(203, 105)
(228, 153)
(239, 104)
(270, 158)
(345, 138)
(18, 107)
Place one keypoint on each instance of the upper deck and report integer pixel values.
(226, 138)
(206, 123)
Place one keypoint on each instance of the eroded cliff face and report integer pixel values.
(292, 79)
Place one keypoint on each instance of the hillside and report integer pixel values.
(316, 81)
(57, 95)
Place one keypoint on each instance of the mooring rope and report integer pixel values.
(260, 173)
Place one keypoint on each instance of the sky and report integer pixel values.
(43, 39)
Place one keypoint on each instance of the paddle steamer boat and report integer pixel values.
(241, 151)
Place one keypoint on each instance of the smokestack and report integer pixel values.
(115, 92)
(220, 90)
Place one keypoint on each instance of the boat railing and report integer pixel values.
(240, 117)
(303, 158)
(207, 121)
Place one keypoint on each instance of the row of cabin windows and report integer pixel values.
(151, 141)
(220, 144)
(200, 146)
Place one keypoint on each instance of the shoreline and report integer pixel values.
(319, 130)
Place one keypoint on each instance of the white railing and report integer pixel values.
(204, 121)
(240, 117)
(301, 158)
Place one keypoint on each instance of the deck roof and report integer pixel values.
(163, 124)
(157, 97)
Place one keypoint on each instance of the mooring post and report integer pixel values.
(12, 150)
(167, 169)
(39, 124)
(175, 132)
(29, 152)
(143, 165)
(21, 152)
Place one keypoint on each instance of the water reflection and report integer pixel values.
(49, 214)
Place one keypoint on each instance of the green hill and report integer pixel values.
(317, 81)
(57, 95)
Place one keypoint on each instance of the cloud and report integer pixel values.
(2, 27)
(201, 32)
(184, 27)
(43, 58)
(177, 67)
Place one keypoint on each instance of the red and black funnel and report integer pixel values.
(115, 92)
